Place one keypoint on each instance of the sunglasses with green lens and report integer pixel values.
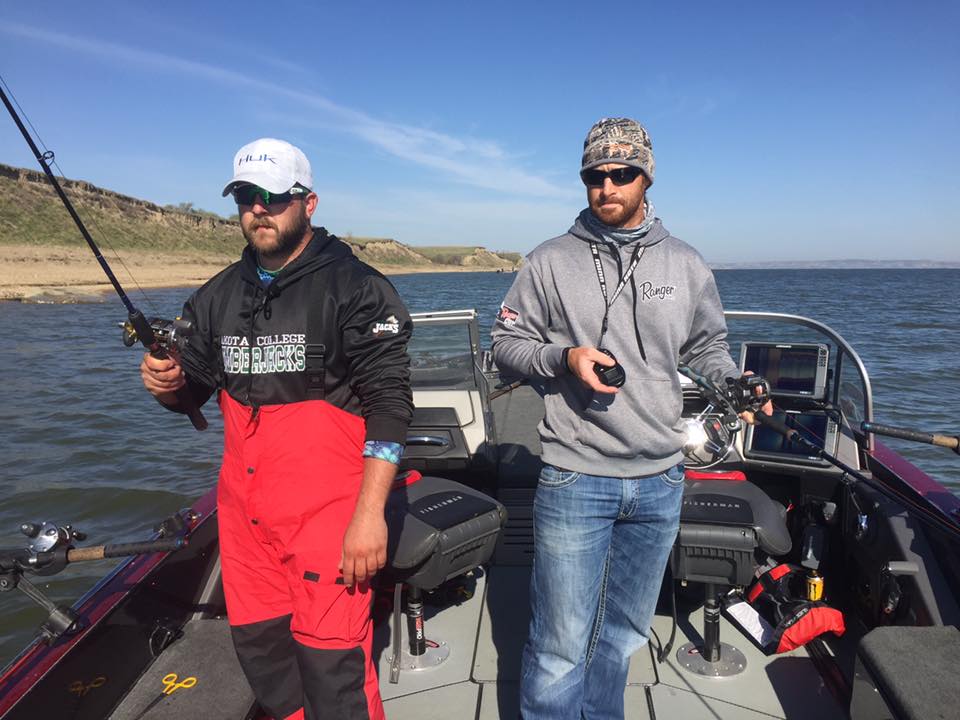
(247, 195)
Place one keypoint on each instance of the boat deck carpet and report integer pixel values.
(903, 660)
(204, 653)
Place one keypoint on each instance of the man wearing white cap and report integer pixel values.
(306, 348)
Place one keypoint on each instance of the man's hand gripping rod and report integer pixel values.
(748, 393)
(137, 326)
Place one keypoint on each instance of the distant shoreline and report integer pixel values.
(843, 265)
(65, 274)
(70, 274)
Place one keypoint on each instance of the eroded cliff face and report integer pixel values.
(385, 252)
(32, 214)
(483, 259)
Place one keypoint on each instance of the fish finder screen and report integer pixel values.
(790, 370)
(811, 426)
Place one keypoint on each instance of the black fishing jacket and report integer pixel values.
(328, 327)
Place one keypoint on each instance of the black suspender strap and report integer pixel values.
(315, 354)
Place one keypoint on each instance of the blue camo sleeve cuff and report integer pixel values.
(389, 451)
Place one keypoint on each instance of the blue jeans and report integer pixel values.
(600, 548)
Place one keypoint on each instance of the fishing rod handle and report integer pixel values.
(905, 434)
(776, 425)
(189, 405)
(185, 398)
(99, 552)
(145, 334)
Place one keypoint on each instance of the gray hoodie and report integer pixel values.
(669, 313)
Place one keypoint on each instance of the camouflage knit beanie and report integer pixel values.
(619, 140)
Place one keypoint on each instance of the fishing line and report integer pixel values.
(161, 337)
(50, 158)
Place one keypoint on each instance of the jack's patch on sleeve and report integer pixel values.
(508, 316)
(388, 326)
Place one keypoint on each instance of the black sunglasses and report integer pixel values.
(618, 176)
(247, 194)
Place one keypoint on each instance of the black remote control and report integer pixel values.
(613, 376)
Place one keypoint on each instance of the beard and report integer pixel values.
(286, 241)
(618, 211)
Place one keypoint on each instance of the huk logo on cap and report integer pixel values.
(250, 158)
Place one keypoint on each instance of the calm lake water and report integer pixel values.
(83, 443)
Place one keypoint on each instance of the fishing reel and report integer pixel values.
(170, 335)
(710, 435)
(746, 393)
(164, 338)
(47, 536)
(45, 553)
(50, 549)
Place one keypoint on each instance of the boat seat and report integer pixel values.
(723, 523)
(437, 529)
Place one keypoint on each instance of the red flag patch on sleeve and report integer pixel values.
(508, 316)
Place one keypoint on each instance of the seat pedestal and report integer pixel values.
(713, 658)
(722, 525)
(420, 653)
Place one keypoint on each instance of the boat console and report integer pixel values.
(792, 370)
(816, 426)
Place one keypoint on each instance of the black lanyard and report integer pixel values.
(637, 254)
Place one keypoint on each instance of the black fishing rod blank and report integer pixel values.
(139, 327)
(924, 513)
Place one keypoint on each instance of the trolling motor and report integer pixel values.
(140, 329)
(50, 549)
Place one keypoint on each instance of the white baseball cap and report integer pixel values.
(275, 165)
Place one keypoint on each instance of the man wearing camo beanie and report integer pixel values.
(607, 504)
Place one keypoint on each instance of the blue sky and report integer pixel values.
(782, 131)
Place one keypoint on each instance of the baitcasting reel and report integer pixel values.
(50, 549)
(750, 392)
(165, 338)
(710, 435)
(171, 335)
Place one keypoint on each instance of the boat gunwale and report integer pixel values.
(39, 657)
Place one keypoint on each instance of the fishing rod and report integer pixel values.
(162, 338)
(938, 519)
(947, 441)
(739, 395)
(49, 550)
